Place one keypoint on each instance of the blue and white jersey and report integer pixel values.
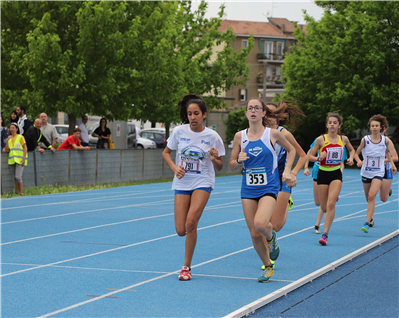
(260, 169)
(373, 158)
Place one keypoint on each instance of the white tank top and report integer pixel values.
(373, 158)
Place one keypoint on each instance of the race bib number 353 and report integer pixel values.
(256, 176)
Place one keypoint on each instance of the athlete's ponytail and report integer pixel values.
(287, 113)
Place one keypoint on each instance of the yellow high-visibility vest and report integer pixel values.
(16, 153)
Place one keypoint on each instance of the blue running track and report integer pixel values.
(115, 253)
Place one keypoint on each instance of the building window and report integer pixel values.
(243, 94)
(244, 44)
(268, 49)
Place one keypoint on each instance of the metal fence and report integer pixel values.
(74, 167)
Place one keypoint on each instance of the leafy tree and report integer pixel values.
(236, 121)
(348, 61)
(115, 59)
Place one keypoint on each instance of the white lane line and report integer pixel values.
(116, 249)
(169, 274)
(114, 197)
(87, 228)
(112, 208)
(90, 211)
(252, 307)
(138, 271)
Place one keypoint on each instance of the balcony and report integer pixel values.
(269, 82)
(270, 57)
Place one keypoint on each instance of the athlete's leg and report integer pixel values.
(198, 201)
(385, 188)
(182, 205)
(316, 193)
(250, 210)
(366, 188)
(372, 194)
(279, 216)
(320, 214)
(333, 192)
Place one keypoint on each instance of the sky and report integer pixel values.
(259, 10)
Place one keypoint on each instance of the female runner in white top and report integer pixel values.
(198, 151)
(374, 150)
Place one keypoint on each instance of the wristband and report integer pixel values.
(238, 162)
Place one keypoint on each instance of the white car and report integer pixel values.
(62, 131)
(145, 143)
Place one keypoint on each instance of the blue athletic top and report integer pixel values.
(260, 174)
(282, 157)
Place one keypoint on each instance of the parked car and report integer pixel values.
(62, 131)
(142, 143)
(158, 137)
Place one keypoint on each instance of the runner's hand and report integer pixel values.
(306, 172)
(179, 172)
(242, 156)
(213, 154)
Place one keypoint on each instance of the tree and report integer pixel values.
(115, 59)
(348, 61)
(236, 121)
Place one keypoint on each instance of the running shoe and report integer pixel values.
(317, 230)
(323, 240)
(185, 273)
(274, 248)
(371, 223)
(267, 273)
(290, 203)
(271, 262)
(365, 227)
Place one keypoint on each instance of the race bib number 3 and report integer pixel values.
(373, 164)
(256, 176)
(334, 155)
(192, 166)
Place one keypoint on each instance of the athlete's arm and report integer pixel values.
(178, 170)
(392, 150)
(359, 149)
(306, 172)
(278, 137)
(348, 144)
(216, 160)
(317, 146)
(303, 158)
(237, 156)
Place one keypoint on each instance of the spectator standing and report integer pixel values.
(84, 134)
(48, 131)
(4, 133)
(14, 117)
(18, 156)
(34, 135)
(23, 121)
(103, 133)
(73, 142)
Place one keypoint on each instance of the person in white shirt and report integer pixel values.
(198, 151)
(48, 131)
(84, 135)
(374, 149)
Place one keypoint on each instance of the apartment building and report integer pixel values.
(273, 40)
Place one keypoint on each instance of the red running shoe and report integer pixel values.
(323, 240)
(185, 273)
